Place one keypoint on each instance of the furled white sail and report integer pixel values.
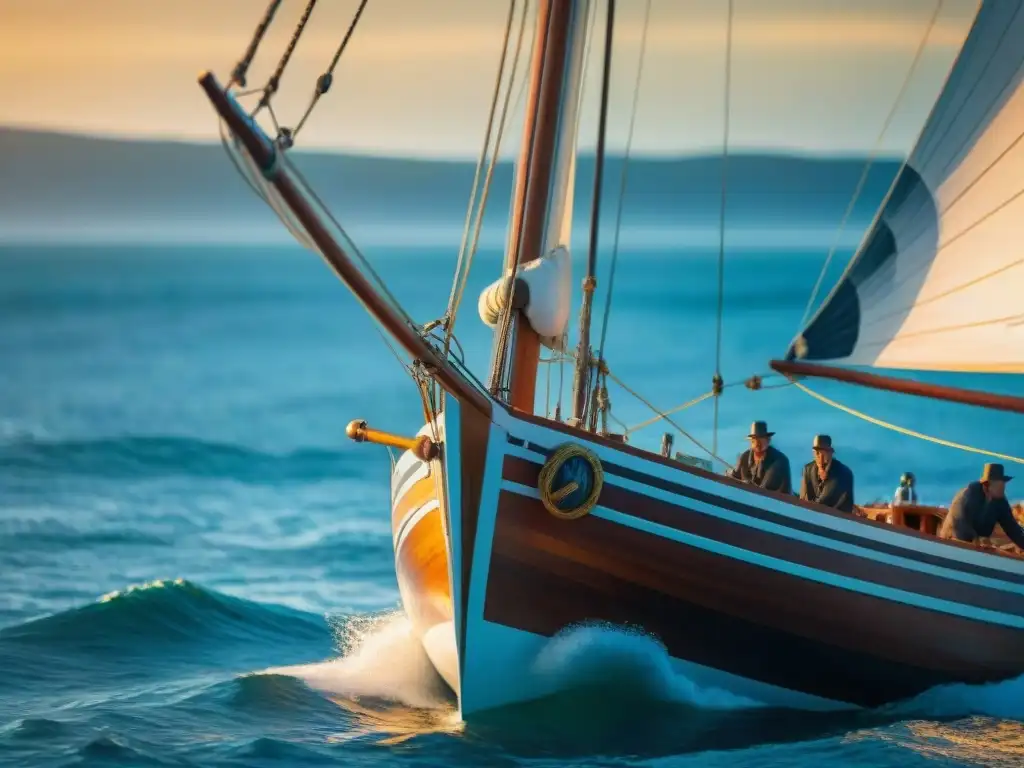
(549, 296)
(938, 283)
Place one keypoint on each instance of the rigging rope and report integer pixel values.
(242, 67)
(462, 272)
(903, 430)
(323, 83)
(681, 431)
(623, 178)
(867, 168)
(583, 375)
(716, 380)
(275, 79)
(751, 383)
(603, 368)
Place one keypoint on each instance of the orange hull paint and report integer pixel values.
(421, 556)
(422, 568)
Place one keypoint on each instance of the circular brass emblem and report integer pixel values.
(570, 481)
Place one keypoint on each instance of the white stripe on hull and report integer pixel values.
(781, 530)
(550, 438)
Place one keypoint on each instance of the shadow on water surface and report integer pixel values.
(614, 695)
(592, 721)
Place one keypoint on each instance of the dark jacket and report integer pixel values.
(772, 473)
(972, 515)
(835, 491)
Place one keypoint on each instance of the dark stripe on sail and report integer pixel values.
(546, 574)
(987, 72)
(800, 525)
(836, 328)
(790, 550)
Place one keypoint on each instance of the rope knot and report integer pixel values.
(589, 284)
(753, 383)
(717, 385)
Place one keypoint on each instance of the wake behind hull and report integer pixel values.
(763, 596)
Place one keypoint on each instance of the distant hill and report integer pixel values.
(62, 186)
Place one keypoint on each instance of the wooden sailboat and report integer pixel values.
(509, 527)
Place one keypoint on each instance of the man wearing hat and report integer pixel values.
(826, 480)
(978, 507)
(762, 465)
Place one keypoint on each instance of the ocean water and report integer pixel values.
(196, 565)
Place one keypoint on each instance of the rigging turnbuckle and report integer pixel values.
(422, 446)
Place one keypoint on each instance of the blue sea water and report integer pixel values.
(196, 565)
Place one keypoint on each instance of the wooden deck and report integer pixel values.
(927, 519)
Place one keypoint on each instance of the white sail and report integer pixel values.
(549, 291)
(938, 283)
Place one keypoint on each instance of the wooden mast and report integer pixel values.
(533, 182)
(905, 386)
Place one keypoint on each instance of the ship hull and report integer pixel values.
(759, 595)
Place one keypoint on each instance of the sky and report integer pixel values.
(813, 76)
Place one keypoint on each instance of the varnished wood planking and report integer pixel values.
(792, 550)
(422, 569)
(744, 619)
(900, 544)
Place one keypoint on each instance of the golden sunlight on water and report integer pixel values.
(976, 741)
(395, 725)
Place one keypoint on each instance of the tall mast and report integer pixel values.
(582, 374)
(541, 213)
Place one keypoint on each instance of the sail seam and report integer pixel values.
(1009, 320)
(945, 294)
(949, 206)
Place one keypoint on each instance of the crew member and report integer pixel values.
(763, 465)
(979, 506)
(826, 480)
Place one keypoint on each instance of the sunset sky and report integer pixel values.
(808, 75)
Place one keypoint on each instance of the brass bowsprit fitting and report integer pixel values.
(422, 446)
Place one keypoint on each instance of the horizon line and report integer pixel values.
(114, 138)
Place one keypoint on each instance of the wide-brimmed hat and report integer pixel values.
(760, 429)
(822, 443)
(995, 472)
